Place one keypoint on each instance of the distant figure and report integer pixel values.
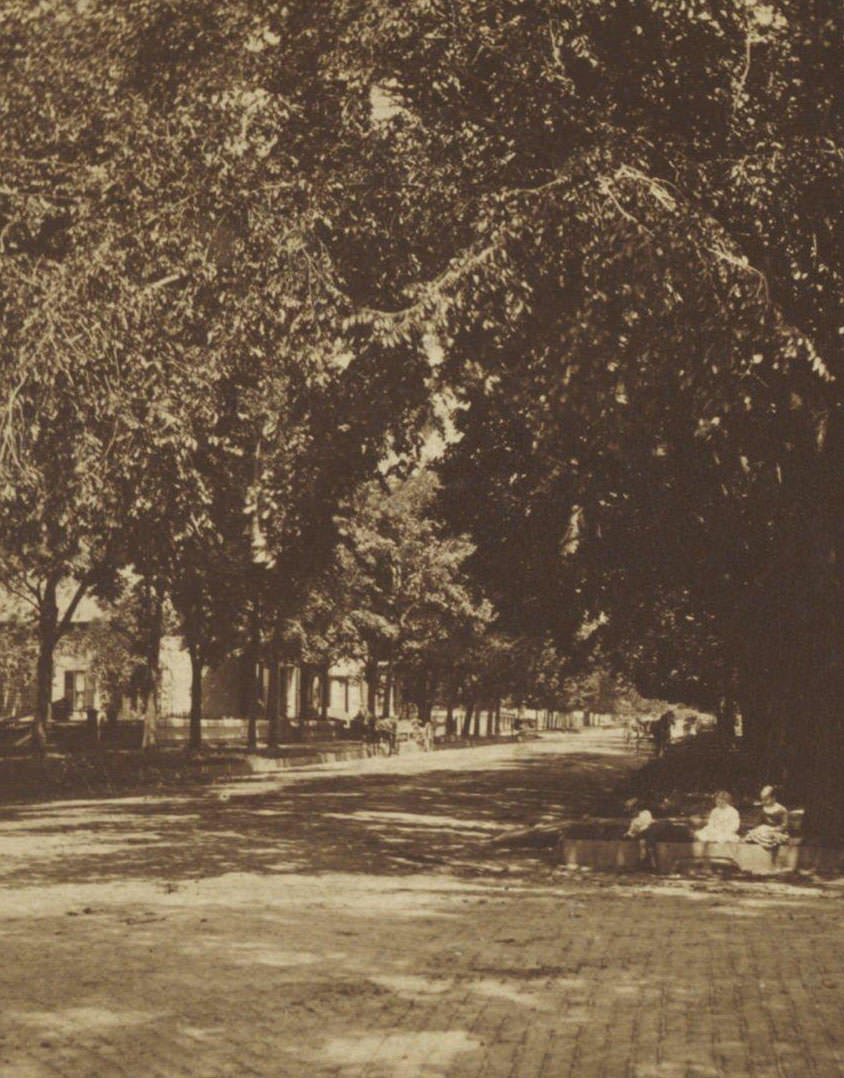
(772, 830)
(357, 727)
(724, 821)
(92, 723)
(661, 732)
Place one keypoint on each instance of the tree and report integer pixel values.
(174, 179)
(61, 531)
(17, 661)
(408, 601)
(636, 281)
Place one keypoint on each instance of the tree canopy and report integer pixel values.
(260, 237)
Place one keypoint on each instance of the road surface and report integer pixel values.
(354, 921)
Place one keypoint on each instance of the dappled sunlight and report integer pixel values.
(414, 986)
(417, 819)
(509, 993)
(396, 815)
(79, 1020)
(365, 925)
(398, 1054)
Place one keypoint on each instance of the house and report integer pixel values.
(312, 692)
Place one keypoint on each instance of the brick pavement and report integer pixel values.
(333, 926)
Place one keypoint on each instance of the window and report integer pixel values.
(78, 689)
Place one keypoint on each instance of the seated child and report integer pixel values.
(640, 824)
(723, 823)
(772, 830)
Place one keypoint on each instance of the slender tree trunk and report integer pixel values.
(388, 691)
(47, 637)
(371, 675)
(283, 703)
(249, 675)
(151, 713)
(449, 716)
(152, 706)
(305, 698)
(196, 667)
(497, 717)
(432, 687)
(325, 692)
(43, 695)
(272, 699)
(476, 729)
(467, 718)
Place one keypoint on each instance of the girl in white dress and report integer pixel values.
(723, 823)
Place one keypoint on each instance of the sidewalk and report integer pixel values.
(108, 772)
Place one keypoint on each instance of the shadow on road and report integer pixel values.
(322, 821)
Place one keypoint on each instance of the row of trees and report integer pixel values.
(247, 248)
(641, 312)
(192, 230)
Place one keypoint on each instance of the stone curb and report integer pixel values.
(672, 856)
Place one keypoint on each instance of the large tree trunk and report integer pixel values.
(196, 667)
(814, 749)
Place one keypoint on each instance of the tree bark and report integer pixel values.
(325, 691)
(272, 700)
(371, 675)
(250, 678)
(388, 691)
(48, 619)
(283, 703)
(467, 718)
(152, 706)
(196, 667)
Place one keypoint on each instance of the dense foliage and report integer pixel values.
(243, 242)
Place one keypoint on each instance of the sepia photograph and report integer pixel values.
(421, 539)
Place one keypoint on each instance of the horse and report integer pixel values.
(380, 739)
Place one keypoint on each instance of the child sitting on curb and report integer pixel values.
(723, 823)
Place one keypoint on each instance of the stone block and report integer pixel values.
(601, 853)
(671, 856)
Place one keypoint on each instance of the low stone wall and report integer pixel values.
(598, 853)
(672, 857)
(308, 757)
